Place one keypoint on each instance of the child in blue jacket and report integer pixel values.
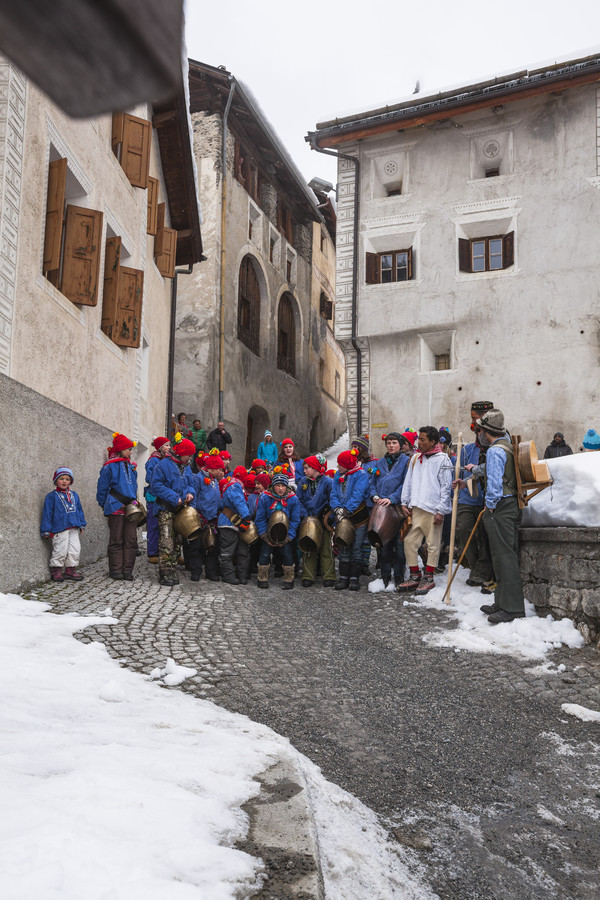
(117, 486)
(349, 496)
(171, 484)
(208, 502)
(233, 518)
(161, 445)
(63, 520)
(387, 478)
(314, 491)
(277, 497)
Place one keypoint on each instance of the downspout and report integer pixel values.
(357, 349)
(223, 232)
(187, 271)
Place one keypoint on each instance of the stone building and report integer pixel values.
(254, 339)
(467, 264)
(95, 215)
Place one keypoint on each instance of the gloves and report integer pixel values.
(245, 523)
(339, 513)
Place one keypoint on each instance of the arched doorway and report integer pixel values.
(258, 422)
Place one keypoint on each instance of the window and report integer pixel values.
(246, 172)
(249, 306)
(285, 222)
(288, 269)
(442, 362)
(286, 336)
(323, 242)
(72, 239)
(486, 254)
(391, 266)
(122, 298)
(437, 351)
(322, 372)
(131, 140)
(337, 388)
(492, 173)
(271, 250)
(282, 421)
(326, 306)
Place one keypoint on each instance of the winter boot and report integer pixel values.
(427, 584)
(262, 579)
(411, 584)
(289, 573)
(72, 573)
(228, 572)
(490, 608)
(355, 571)
(344, 577)
(56, 573)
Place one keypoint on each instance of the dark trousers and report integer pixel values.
(285, 553)
(502, 526)
(122, 545)
(392, 557)
(477, 558)
(196, 558)
(355, 552)
(234, 554)
(152, 528)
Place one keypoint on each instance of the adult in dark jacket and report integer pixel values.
(557, 447)
(218, 438)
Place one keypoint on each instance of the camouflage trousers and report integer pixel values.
(168, 543)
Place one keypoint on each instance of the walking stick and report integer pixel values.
(454, 512)
(463, 553)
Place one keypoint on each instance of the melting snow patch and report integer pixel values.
(531, 637)
(377, 585)
(548, 816)
(172, 674)
(586, 715)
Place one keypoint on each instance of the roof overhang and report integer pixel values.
(447, 104)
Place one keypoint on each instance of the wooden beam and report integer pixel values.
(164, 118)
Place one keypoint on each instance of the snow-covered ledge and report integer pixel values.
(561, 572)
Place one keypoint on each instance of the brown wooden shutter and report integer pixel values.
(165, 261)
(55, 214)
(110, 293)
(409, 254)
(117, 131)
(160, 228)
(128, 327)
(81, 259)
(135, 153)
(464, 255)
(508, 250)
(152, 218)
(372, 268)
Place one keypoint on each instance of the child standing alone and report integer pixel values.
(63, 520)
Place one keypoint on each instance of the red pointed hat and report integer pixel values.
(347, 459)
(121, 442)
(212, 462)
(184, 448)
(159, 442)
(314, 463)
(287, 441)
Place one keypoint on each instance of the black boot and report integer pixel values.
(344, 577)
(355, 570)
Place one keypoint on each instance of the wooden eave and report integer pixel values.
(209, 92)
(172, 126)
(521, 86)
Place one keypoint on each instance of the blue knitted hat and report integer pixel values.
(591, 440)
(280, 478)
(63, 470)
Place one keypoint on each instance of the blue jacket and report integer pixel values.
(60, 512)
(170, 483)
(469, 454)
(314, 495)
(150, 467)
(235, 499)
(208, 497)
(252, 503)
(121, 476)
(350, 493)
(388, 483)
(268, 451)
(264, 512)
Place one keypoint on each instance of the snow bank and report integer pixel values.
(529, 638)
(573, 499)
(120, 789)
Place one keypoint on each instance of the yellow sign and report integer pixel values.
(380, 425)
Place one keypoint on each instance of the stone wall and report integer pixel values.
(561, 575)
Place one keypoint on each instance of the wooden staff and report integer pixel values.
(454, 512)
(463, 553)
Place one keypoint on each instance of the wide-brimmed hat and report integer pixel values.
(493, 422)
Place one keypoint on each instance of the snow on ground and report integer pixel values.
(586, 715)
(573, 499)
(119, 789)
(531, 637)
(332, 453)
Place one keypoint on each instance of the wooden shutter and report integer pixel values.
(372, 268)
(160, 228)
(110, 293)
(165, 261)
(81, 259)
(135, 152)
(117, 131)
(152, 217)
(409, 254)
(464, 255)
(55, 214)
(508, 250)
(128, 327)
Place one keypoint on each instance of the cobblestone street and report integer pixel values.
(468, 758)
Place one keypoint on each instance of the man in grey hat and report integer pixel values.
(501, 518)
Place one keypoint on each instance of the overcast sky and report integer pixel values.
(310, 61)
